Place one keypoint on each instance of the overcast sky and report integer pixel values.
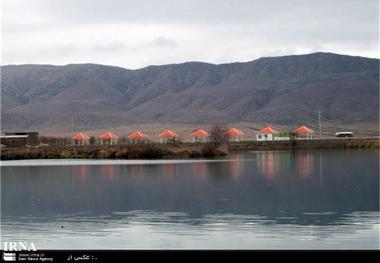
(134, 34)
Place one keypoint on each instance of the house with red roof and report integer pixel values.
(168, 136)
(138, 137)
(234, 134)
(266, 134)
(272, 134)
(81, 139)
(303, 132)
(200, 135)
(108, 138)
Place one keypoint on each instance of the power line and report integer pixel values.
(320, 124)
(72, 122)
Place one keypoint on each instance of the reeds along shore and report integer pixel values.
(181, 150)
(140, 151)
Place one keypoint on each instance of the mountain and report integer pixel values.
(282, 90)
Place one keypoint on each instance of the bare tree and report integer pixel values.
(218, 134)
(92, 140)
(123, 140)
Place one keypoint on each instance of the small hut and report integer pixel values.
(108, 138)
(199, 135)
(234, 133)
(266, 134)
(81, 139)
(303, 132)
(138, 137)
(168, 136)
(272, 134)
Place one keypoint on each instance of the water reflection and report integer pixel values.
(137, 171)
(169, 170)
(267, 163)
(253, 188)
(109, 172)
(148, 229)
(82, 172)
(304, 163)
(236, 166)
(200, 169)
(271, 163)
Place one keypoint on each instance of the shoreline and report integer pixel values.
(157, 151)
(330, 143)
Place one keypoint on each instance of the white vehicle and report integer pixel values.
(344, 134)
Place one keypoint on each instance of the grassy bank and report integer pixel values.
(178, 151)
(341, 143)
(143, 151)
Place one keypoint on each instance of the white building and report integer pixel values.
(271, 134)
(266, 134)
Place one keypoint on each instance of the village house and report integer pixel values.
(266, 134)
(108, 138)
(137, 137)
(272, 134)
(200, 135)
(168, 136)
(81, 139)
(303, 132)
(234, 134)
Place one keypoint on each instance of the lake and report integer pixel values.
(320, 199)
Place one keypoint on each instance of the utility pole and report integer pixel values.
(320, 124)
(72, 122)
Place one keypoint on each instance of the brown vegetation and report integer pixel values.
(129, 151)
(354, 143)
(178, 150)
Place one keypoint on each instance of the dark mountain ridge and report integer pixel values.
(283, 90)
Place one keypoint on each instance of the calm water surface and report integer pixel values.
(251, 200)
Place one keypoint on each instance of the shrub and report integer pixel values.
(217, 135)
(65, 154)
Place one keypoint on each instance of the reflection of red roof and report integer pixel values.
(268, 130)
(234, 132)
(81, 136)
(108, 136)
(137, 135)
(200, 133)
(303, 130)
(168, 134)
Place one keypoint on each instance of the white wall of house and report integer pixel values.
(281, 138)
(235, 138)
(108, 141)
(81, 142)
(305, 137)
(264, 137)
(270, 137)
(198, 139)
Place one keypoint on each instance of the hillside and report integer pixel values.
(282, 90)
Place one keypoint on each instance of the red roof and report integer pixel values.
(303, 130)
(137, 135)
(81, 136)
(200, 133)
(168, 134)
(268, 130)
(108, 136)
(234, 132)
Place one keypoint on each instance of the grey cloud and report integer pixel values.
(114, 47)
(212, 31)
(162, 42)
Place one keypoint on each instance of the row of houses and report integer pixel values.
(199, 135)
(273, 134)
(168, 136)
